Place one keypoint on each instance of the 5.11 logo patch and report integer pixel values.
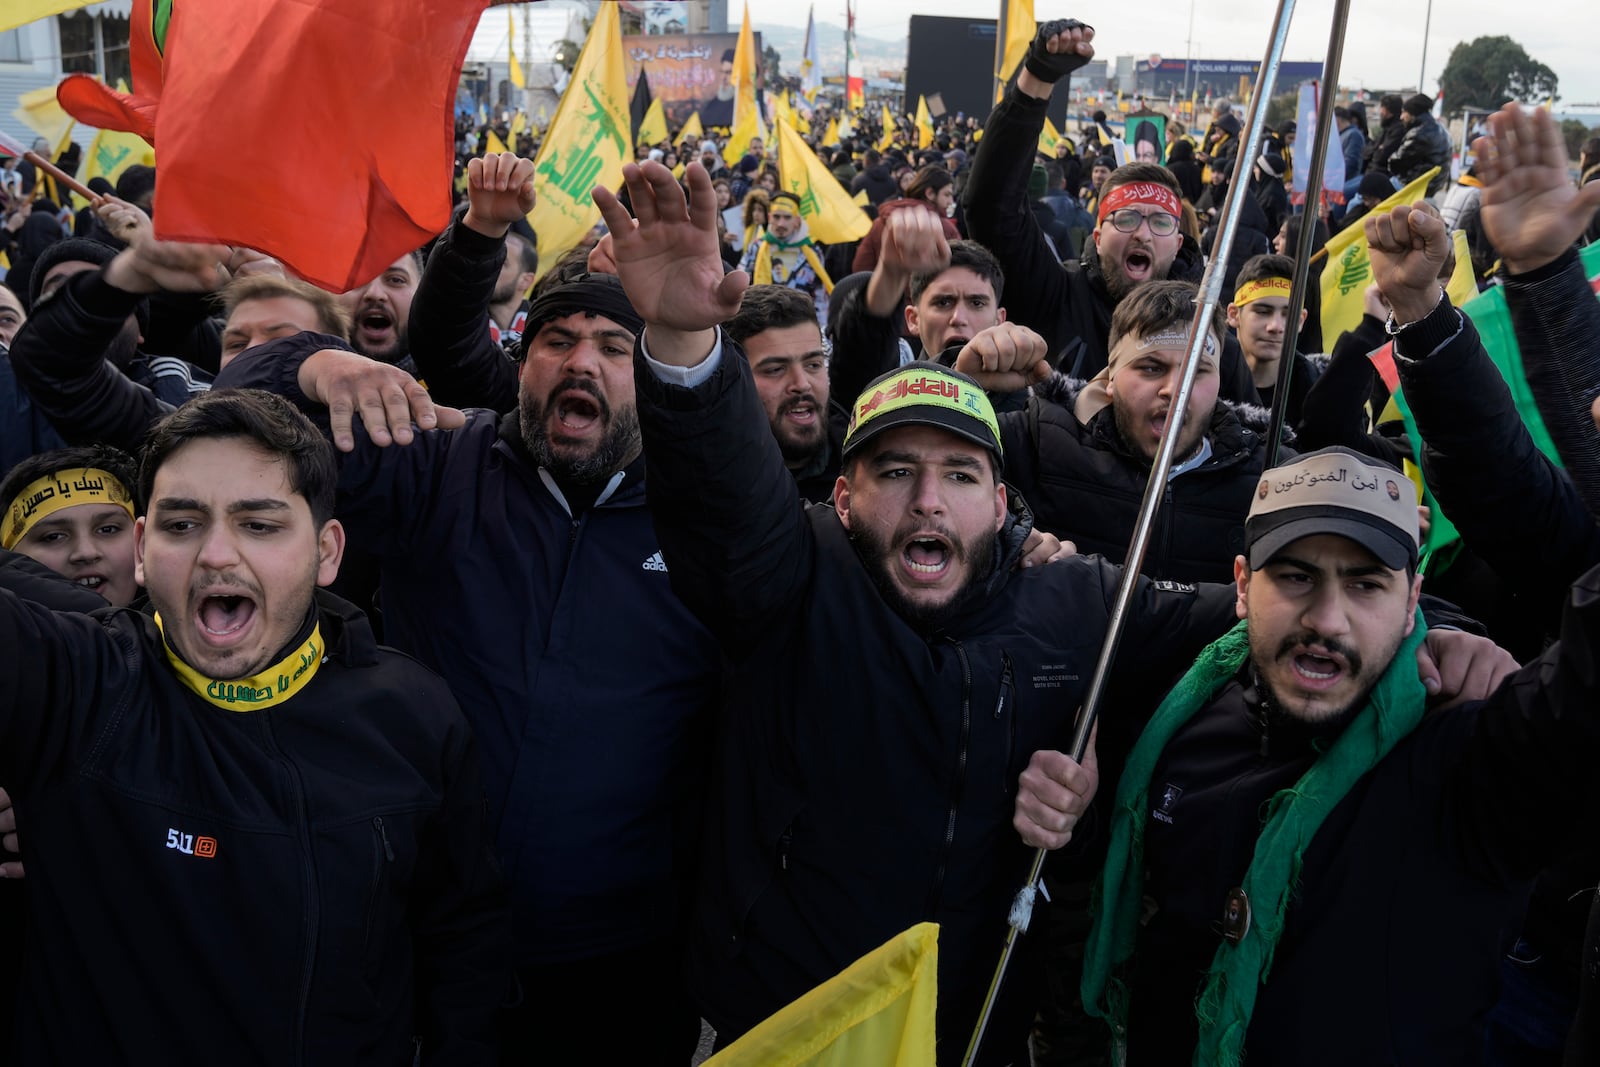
(190, 845)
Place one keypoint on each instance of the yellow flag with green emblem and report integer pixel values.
(924, 124)
(1048, 138)
(1349, 266)
(586, 143)
(879, 1011)
(830, 215)
(109, 154)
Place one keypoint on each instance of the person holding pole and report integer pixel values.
(904, 781)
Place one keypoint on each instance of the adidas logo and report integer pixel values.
(656, 563)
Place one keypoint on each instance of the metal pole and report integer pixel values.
(1322, 144)
(1155, 488)
(1427, 23)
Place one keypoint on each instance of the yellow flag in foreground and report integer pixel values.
(37, 109)
(109, 154)
(586, 143)
(1349, 270)
(877, 1012)
(830, 215)
(924, 124)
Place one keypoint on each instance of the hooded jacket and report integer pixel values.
(1067, 304)
(878, 183)
(1390, 132)
(304, 883)
(589, 685)
(1085, 485)
(855, 801)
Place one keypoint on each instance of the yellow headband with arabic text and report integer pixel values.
(1261, 287)
(51, 493)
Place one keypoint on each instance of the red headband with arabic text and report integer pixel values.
(1140, 193)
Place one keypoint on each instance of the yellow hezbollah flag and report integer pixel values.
(877, 1012)
(888, 129)
(37, 109)
(747, 122)
(1019, 35)
(14, 13)
(653, 127)
(519, 122)
(511, 52)
(1048, 138)
(109, 154)
(830, 215)
(492, 145)
(692, 129)
(830, 136)
(586, 143)
(924, 124)
(1349, 269)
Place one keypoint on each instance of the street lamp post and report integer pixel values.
(1427, 22)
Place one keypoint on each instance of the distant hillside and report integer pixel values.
(874, 54)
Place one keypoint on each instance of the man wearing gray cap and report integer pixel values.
(1296, 829)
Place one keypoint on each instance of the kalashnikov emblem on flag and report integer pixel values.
(831, 216)
(1349, 269)
(586, 143)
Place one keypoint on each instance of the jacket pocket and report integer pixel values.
(1005, 713)
(378, 889)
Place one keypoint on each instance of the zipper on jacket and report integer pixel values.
(382, 852)
(1006, 692)
(958, 786)
(784, 841)
(309, 879)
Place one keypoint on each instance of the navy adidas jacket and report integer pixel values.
(590, 686)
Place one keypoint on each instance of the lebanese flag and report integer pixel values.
(317, 131)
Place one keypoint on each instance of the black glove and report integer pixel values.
(1050, 66)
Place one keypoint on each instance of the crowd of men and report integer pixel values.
(511, 661)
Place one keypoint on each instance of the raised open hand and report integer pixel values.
(1531, 210)
(667, 254)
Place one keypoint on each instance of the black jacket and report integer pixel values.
(1411, 889)
(1424, 145)
(59, 358)
(450, 339)
(1380, 148)
(856, 800)
(349, 900)
(879, 184)
(1485, 471)
(589, 685)
(1065, 303)
(1085, 485)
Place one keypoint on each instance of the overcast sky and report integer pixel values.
(1383, 47)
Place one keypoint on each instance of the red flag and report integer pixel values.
(317, 131)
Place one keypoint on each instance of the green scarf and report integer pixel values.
(1237, 971)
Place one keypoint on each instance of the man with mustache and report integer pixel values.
(1136, 237)
(379, 311)
(519, 561)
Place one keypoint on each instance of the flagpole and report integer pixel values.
(1155, 489)
(1322, 143)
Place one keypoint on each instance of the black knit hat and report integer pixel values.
(67, 250)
